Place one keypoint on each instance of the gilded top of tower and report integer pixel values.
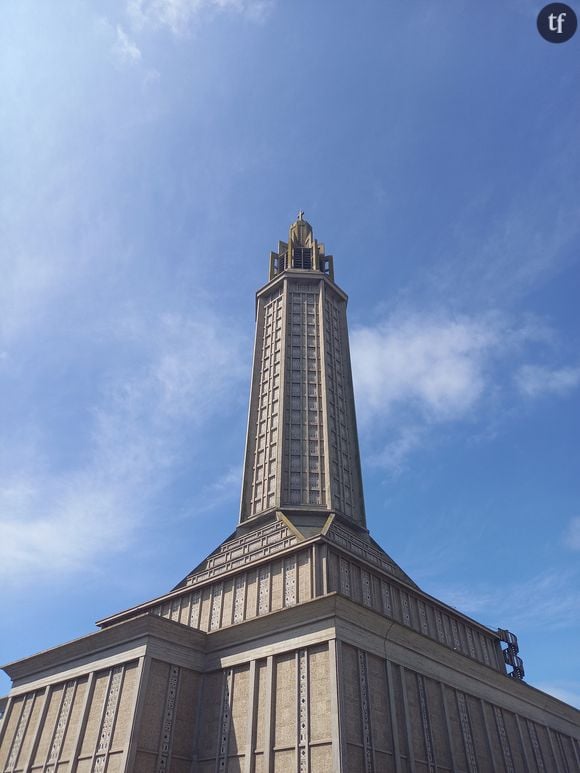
(302, 252)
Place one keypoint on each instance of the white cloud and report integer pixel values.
(232, 478)
(126, 49)
(56, 521)
(535, 381)
(180, 15)
(436, 364)
(52, 525)
(414, 371)
(503, 245)
(572, 535)
(393, 455)
(198, 361)
(223, 490)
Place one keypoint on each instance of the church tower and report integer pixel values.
(302, 447)
(298, 645)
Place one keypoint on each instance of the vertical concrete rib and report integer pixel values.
(448, 727)
(128, 760)
(252, 710)
(393, 713)
(335, 705)
(39, 724)
(83, 722)
(269, 715)
(408, 724)
(488, 736)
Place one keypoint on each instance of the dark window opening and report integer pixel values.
(302, 257)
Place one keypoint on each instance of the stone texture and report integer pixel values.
(298, 645)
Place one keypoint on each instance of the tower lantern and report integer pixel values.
(301, 252)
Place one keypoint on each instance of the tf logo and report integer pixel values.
(557, 22)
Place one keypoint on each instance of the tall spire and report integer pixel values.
(302, 448)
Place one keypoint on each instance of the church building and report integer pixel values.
(298, 645)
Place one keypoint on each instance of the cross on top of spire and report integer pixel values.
(301, 214)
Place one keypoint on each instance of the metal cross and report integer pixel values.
(300, 214)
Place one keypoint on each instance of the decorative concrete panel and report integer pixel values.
(379, 706)
(73, 725)
(168, 720)
(186, 714)
(304, 590)
(285, 711)
(351, 701)
(262, 709)
(354, 758)
(49, 727)
(212, 699)
(240, 709)
(345, 483)
(303, 464)
(153, 708)
(261, 468)
(321, 759)
(19, 739)
(124, 717)
(284, 760)
(518, 752)
(95, 710)
(320, 716)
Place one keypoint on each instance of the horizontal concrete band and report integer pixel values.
(331, 618)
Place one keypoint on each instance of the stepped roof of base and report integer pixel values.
(271, 534)
(280, 529)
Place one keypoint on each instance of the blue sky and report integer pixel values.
(153, 152)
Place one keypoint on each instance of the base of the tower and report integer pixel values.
(327, 686)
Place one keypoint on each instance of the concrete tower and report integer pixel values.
(298, 645)
(302, 447)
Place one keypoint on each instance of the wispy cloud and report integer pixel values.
(56, 520)
(126, 49)
(535, 381)
(180, 16)
(568, 692)
(555, 594)
(435, 364)
(503, 246)
(54, 525)
(221, 491)
(395, 452)
(572, 534)
(415, 371)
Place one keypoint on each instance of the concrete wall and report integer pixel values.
(395, 719)
(165, 722)
(83, 723)
(275, 585)
(413, 609)
(269, 715)
(123, 699)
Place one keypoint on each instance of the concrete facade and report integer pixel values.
(327, 685)
(298, 645)
(302, 444)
